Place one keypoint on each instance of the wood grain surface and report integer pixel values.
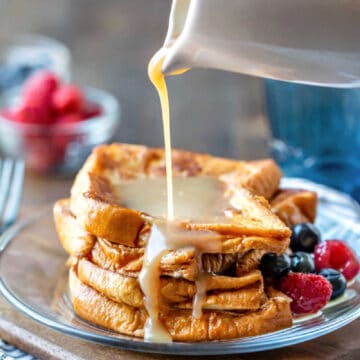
(111, 42)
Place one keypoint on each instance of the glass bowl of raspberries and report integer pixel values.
(54, 125)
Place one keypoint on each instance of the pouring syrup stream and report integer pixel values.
(167, 236)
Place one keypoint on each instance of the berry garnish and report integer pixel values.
(91, 110)
(41, 83)
(302, 262)
(8, 114)
(35, 103)
(46, 101)
(337, 281)
(31, 114)
(68, 99)
(304, 237)
(69, 119)
(337, 255)
(41, 153)
(275, 265)
(309, 292)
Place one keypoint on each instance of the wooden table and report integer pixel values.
(111, 42)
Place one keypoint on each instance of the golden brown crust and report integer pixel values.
(74, 239)
(103, 275)
(295, 206)
(180, 263)
(97, 206)
(223, 292)
(213, 325)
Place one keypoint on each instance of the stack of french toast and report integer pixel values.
(106, 242)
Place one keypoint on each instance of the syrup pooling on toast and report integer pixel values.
(149, 196)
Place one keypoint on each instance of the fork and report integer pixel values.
(11, 184)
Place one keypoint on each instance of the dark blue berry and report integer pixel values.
(302, 262)
(275, 265)
(304, 237)
(337, 281)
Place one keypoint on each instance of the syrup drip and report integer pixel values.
(200, 198)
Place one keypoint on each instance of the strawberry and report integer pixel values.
(68, 99)
(335, 254)
(309, 292)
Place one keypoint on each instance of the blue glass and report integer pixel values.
(316, 133)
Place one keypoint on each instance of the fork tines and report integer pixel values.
(11, 184)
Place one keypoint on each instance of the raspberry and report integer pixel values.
(41, 153)
(68, 99)
(8, 114)
(42, 81)
(29, 114)
(335, 254)
(91, 110)
(39, 88)
(309, 292)
(69, 118)
(36, 107)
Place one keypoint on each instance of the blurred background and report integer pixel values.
(111, 42)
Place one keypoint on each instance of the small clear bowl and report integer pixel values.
(59, 148)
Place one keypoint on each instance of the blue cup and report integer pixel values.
(315, 133)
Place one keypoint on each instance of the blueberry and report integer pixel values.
(302, 262)
(304, 237)
(337, 281)
(275, 265)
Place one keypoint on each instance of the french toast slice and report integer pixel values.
(223, 292)
(97, 205)
(107, 240)
(274, 314)
(75, 240)
(294, 206)
(242, 252)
